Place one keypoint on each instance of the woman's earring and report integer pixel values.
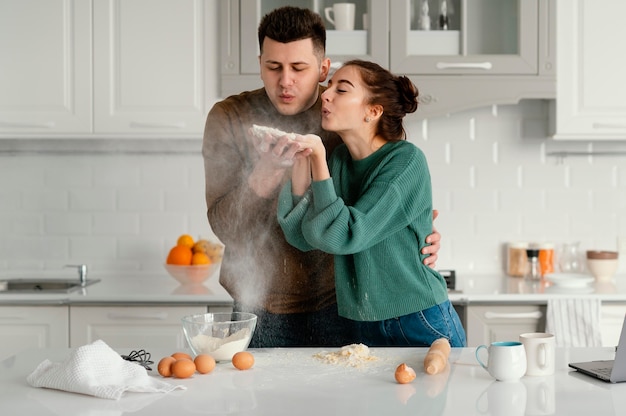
(367, 119)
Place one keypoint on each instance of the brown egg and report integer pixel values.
(404, 374)
(179, 355)
(204, 363)
(183, 368)
(243, 360)
(165, 366)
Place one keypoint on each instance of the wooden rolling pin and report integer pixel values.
(437, 356)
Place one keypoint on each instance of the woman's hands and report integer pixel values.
(313, 148)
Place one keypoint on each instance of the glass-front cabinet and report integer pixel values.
(464, 36)
(460, 53)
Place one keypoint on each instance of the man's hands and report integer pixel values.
(434, 240)
(276, 155)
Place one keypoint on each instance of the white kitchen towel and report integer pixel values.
(97, 370)
(575, 322)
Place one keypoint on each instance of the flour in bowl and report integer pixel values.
(222, 349)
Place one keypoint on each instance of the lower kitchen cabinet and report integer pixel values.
(611, 321)
(489, 323)
(132, 327)
(23, 327)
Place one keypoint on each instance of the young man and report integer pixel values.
(291, 292)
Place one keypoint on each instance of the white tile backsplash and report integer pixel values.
(493, 182)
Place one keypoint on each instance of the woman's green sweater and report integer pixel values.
(373, 215)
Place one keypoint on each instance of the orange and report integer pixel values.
(200, 258)
(180, 255)
(185, 240)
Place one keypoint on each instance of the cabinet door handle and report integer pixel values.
(608, 126)
(513, 315)
(468, 65)
(159, 316)
(28, 125)
(147, 125)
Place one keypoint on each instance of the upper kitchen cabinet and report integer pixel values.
(239, 20)
(461, 54)
(102, 68)
(484, 37)
(149, 66)
(590, 83)
(45, 67)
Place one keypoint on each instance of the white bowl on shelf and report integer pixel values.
(602, 264)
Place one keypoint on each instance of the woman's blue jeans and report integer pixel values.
(418, 329)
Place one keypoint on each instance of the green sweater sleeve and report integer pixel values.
(396, 194)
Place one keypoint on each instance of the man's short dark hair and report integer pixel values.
(289, 24)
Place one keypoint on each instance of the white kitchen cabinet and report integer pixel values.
(494, 52)
(489, 323)
(133, 327)
(45, 67)
(149, 66)
(590, 83)
(611, 321)
(103, 68)
(23, 327)
(485, 37)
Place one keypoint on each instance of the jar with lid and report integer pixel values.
(533, 268)
(546, 258)
(516, 259)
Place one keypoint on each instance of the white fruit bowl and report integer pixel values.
(192, 275)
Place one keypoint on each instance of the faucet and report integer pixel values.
(82, 272)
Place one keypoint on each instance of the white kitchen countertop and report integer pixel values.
(159, 288)
(293, 382)
(504, 289)
(124, 288)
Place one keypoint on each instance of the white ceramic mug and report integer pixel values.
(540, 355)
(506, 361)
(343, 15)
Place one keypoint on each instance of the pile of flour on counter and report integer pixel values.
(354, 355)
(222, 349)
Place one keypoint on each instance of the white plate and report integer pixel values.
(569, 279)
(582, 290)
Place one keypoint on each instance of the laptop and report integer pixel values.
(612, 371)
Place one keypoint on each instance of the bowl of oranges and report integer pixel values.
(192, 262)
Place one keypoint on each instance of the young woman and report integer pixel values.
(369, 206)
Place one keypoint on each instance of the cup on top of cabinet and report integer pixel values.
(540, 353)
(342, 15)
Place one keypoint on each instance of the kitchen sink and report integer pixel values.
(19, 286)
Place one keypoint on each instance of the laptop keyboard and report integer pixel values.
(604, 371)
